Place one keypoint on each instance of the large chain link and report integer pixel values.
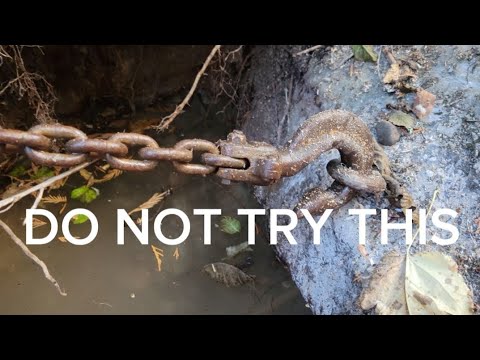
(37, 144)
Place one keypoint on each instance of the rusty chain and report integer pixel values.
(234, 159)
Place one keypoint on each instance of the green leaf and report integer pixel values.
(79, 219)
(43, 172)
(18, 171)
(399, 118)
(84, 193)
(364, 53)
(230, 225)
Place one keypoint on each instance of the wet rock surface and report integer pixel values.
(442, 153)
(387, 133)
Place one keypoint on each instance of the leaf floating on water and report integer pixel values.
(158, 256)
(386, 291)
(364, 53)
(79, 219)
(176, 254)
(234, 250)
(63, 239)
(399, 118)
(54, 199)
(230, 225)
(37, 223)
(85, 194)
(59, 183)
(227, 274)
(154, 200)
(434, 287)
(112, 174)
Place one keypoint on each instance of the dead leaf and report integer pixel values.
(15, 188)
(386, 291)
(399, 118)
(364, 53)
(63, 209)
(112, 174)
(423, 104)
(227, 274)
(434, 287)
(63, 239)
(154, 200)
(158, 256)
(393, 74)
(176, 253)
(400, 76)
(422, 284)
(37, 223)
(59, 183)
(84, 173)
(54, 199)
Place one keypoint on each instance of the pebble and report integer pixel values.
(387, 133)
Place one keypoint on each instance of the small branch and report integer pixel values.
(283, 122)
(35, 204)
(166, 121)
(13, 199)
(32, 256)
(306, 51)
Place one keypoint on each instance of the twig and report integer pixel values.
(37, 201)
(306, 51)
(288, 100)
(168, 119)
(435, 193)
(32, 256)
(13, 199)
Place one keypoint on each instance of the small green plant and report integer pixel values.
(79, 219)
(42, 173)
(18, 171)
(230, 225)
(85, 194)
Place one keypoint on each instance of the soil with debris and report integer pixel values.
(440, 152)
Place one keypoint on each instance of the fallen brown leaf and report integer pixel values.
(423, 104)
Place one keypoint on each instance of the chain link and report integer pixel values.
(38, 142)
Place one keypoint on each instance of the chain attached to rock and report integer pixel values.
(234, 159)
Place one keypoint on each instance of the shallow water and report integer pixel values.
(106, 278)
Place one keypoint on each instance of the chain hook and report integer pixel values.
(333, 129)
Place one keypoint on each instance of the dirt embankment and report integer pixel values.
(440, 152)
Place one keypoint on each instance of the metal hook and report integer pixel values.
(333, 129)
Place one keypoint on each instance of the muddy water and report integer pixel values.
(106, 278)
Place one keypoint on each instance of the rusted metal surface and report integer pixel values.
(233, 159)
(195, 145)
